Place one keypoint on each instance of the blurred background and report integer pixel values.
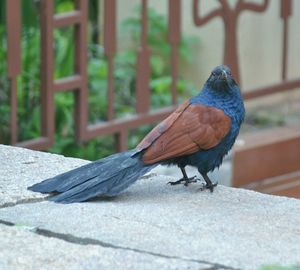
(89, 78)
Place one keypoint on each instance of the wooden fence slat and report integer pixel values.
(13, 26)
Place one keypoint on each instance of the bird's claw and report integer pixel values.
(186, 181)
(208, 186)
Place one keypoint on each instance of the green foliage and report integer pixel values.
(62, 6)
(124, 80)
(160, 83)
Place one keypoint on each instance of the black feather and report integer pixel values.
(108, 176)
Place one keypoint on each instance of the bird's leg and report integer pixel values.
(209, 184)
(184, 179)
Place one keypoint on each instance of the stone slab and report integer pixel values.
(23, 249)
(232, 227)
(222, 175)
(33, 166)
(21, 168)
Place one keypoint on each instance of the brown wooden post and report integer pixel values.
(13, 24)
(174, 39)
(122, 140)
(286, 11)
(143, 66)
(47, 66)
(81, 95)
(110, 50)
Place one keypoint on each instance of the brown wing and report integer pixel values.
(189, 129)
(162, 127)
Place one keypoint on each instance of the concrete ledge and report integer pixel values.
(20, 168)
(22, 249)
(150, 226)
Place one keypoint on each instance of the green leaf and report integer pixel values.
(64, 6)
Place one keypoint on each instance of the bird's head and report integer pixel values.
(221, 78)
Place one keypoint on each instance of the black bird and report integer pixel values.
(200, 132)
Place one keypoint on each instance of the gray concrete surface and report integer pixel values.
(222, 175)
(22, 249)
(20, 168)
(150, 226)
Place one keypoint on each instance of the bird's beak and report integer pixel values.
(224, 75)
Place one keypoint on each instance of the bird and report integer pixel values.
(199, 133)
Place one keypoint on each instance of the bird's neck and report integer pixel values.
(229, 101)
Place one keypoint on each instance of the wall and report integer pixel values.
(260, 41)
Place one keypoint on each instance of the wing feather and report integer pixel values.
(193, 128)
(162, 127)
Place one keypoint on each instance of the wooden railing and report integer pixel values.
(78, 81)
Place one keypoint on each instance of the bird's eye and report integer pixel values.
(213, 74)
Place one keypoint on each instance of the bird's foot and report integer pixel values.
(186, 181)
(208, 186)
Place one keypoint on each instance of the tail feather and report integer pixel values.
(108, 176)
(84, 191)
(70, 179)
(130, 176)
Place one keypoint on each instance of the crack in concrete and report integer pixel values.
(90, 241)
(215, 268)
(23, 201)
(7, 223)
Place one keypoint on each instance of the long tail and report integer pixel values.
(108, 177)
